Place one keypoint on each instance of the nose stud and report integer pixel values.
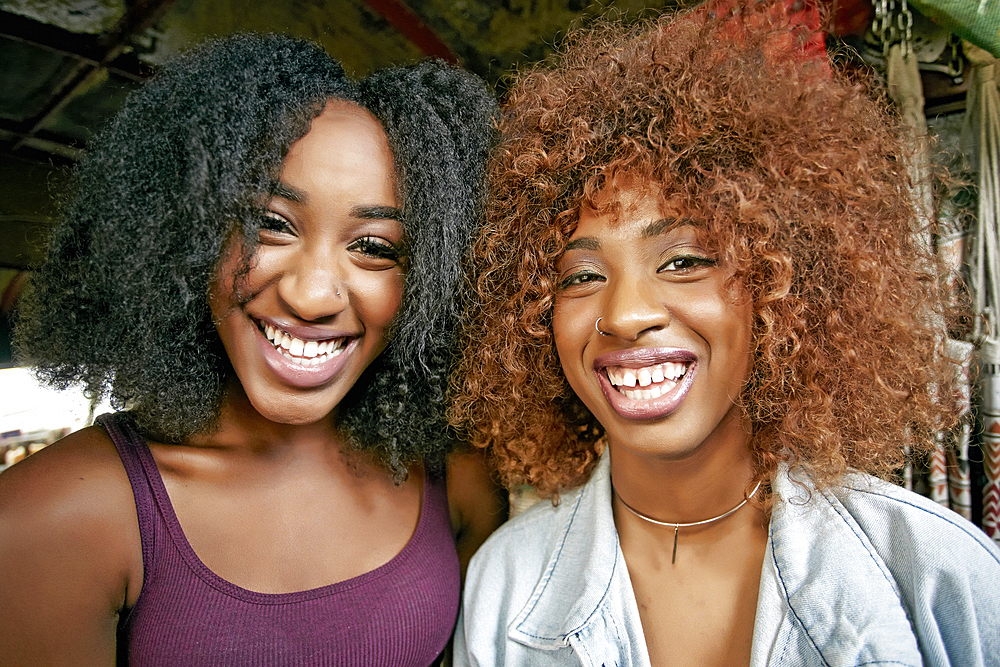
(597, 325)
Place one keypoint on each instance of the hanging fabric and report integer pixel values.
(981, 134)
(976, 20)
(949, 477)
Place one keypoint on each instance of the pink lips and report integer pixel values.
(652, 408)
(304, 377)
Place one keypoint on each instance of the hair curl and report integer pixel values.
(120, 304)
(797, 175)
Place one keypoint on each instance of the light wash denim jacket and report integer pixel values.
(866, 573)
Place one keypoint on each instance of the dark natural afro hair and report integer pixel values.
(439, 120)
(120, 305)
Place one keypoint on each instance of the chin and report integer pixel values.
(302, 413)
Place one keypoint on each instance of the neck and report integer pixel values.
(241, 427)
(683, 489)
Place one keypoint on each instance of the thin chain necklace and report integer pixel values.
(678, 526)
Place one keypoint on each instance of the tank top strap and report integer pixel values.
(143, 475)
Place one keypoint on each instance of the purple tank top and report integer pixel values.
(401, 613)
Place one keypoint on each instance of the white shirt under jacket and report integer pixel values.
(866, 573)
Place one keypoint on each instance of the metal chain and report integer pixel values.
(882, 23)
(905, 24)
(890, 27)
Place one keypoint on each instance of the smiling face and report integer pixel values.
(666, 379)
(326, 279)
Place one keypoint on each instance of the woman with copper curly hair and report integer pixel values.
(701, 320)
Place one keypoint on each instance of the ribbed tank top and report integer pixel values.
(401, 613)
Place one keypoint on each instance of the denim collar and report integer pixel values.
(837, 588)
(580, 572)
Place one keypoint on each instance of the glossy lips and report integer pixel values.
(646, 383)
(303, 360)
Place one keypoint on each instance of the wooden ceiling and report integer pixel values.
(67, 65)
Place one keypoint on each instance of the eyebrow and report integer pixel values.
(655, 228)
(377, 213)
(583, 243)
(286, 191)
(664, 225)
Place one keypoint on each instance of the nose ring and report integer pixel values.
(597, 325)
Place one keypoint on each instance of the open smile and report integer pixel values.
(647, 383)
(652, 381)
(303, 352)
(301, 361)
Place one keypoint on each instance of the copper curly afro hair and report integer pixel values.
(796, 175)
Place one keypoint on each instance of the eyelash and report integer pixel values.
(272, 222)
(579, 278)
(374, 247)
(693, 261)
(371, 246)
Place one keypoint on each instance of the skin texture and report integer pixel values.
(328, 267)
(793, 172)
(119, 306)
(276, 491)
(655, 288)
(661, 294)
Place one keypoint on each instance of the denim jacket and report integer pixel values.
(865, 573)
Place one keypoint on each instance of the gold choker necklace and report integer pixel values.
(678, 526)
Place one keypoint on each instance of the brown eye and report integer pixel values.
(686, 262)
(378, 248)
(580, 278)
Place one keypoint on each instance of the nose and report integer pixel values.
(632, 307)
(311, 288)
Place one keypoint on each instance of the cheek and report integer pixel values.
(222, 290)
(379, 297)
(570, 334)
(737, 325)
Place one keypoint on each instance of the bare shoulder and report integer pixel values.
(476, 499)
(71, 551)
(75, 480)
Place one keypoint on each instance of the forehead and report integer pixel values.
(633, 208)
(344, 137)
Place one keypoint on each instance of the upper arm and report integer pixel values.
(69, 553)
(476, 499)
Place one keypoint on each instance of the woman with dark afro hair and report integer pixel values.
(259, 266)
(702, 322)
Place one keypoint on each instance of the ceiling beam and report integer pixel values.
(407, 22)
(84, 47)
(109, 46)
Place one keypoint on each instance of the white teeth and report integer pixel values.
(655, 391)
(655, 380)
(303, 352)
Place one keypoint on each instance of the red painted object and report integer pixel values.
(413, 28)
